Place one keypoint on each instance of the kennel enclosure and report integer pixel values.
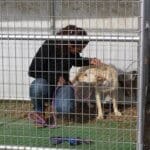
(118, 31)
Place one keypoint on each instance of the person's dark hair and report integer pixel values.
(74, 30)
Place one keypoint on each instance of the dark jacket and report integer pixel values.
(54, 60)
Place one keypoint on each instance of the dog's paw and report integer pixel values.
(118, 113)
(99, 117)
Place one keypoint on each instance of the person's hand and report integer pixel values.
(61, 81)
(95, 61)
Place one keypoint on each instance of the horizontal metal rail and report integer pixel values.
(121, 102)
(12, 147)
(113, 38)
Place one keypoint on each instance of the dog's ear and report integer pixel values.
(131, 76)
(134, 75)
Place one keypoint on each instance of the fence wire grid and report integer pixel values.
(71, 74)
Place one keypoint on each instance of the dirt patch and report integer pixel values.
(14, 109)
(20, 110)
(129, 112)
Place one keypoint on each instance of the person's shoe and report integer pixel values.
(37, 118)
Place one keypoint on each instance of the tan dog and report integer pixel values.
(105, 80)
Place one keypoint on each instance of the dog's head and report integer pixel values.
(90, 76)
(129, 82)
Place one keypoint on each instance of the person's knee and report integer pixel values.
(38, 88)
(66, 91)
(65, 106)
(65, 99)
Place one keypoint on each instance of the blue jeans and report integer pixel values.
(41, 92)
(64, 99)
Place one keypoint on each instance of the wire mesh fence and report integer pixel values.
(71, 74)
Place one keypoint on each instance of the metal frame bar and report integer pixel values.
(56, 37)
(115, 38)
(141, 80)
(53, 14)
(11, 147)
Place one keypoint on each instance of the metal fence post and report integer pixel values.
(143, 74)
(147, 66)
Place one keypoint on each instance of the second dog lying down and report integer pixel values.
(105, 80)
